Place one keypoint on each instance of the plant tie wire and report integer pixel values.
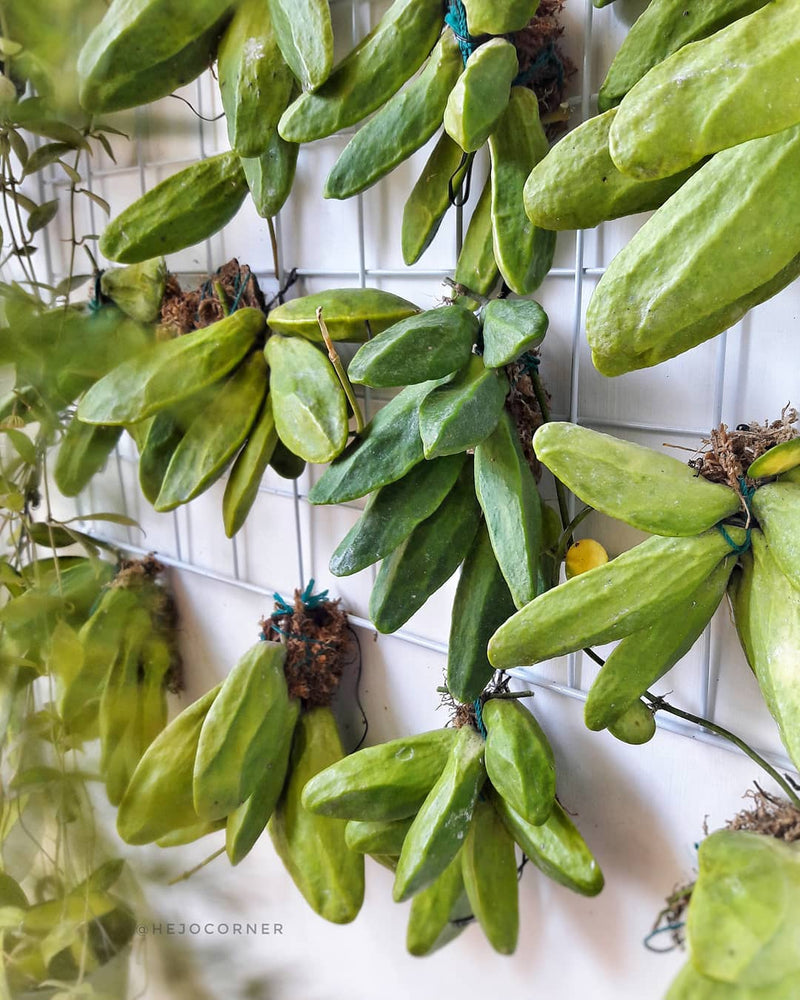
(526, 364)
(479, 717)
(309, 599)
(547, 57)
(456, 18)
(96, 301)
(666, 929)
(240, 286)
(747, 493)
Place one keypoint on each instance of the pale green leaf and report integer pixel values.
(9, 47)
(100, 202)
(744, 917)
(59, 938)
(10, 917)
(23, 445)
(110, 516)
(74, 176)
(50, 152)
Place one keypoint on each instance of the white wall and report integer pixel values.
(641, 809)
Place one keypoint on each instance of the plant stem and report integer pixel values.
(658, 705)
(544, 407)
(505, 695)
(341, 374)
(192, 871)
(223, 298)
(566, 539)
(273, 239)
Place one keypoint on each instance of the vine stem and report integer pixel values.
(544, 407)
(502, 695)
(273, 239)
(341, 374)
(193, 871)
(658, 704)
(223, 299)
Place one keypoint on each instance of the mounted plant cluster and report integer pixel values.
(478, 84)
(218, 382)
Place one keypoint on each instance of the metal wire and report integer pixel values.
(183, 556)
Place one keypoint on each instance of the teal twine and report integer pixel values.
(531, 361)
(479, 717)
(738, 549)
(666, 929)
(240, 290)
(528, 364)
(309, 599)
(748, 492)
(207, 291)
(96, 301)
(547, 57)
(456, 18)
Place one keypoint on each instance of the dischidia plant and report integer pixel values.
(100, 646)
(721, 183)
(87, 642)
(727, 525)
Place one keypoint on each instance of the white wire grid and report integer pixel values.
(590, 40)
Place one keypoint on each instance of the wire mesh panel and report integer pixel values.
(748, 373)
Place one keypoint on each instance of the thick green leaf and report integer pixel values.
(308, 402)
(744, 917)
(461, 413)
(387, 449)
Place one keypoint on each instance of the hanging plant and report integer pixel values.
(726, 523)
(443, 811)
(238, 758)
(738, 917)
(699, 264)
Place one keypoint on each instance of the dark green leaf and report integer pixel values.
(70, 283)
(105, 876)
(59, 131)
(103, 140)
(50, 152)
(103, 127)
(43, 215)
(21, 200)
(50, 535)
(19, 146)
(72, 173)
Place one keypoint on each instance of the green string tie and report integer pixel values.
(546, 58)
(96, 301)
(479, 717)
(666, 929)
(748, 492)
(309, 599)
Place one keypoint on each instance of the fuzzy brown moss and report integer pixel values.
(317, 642)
